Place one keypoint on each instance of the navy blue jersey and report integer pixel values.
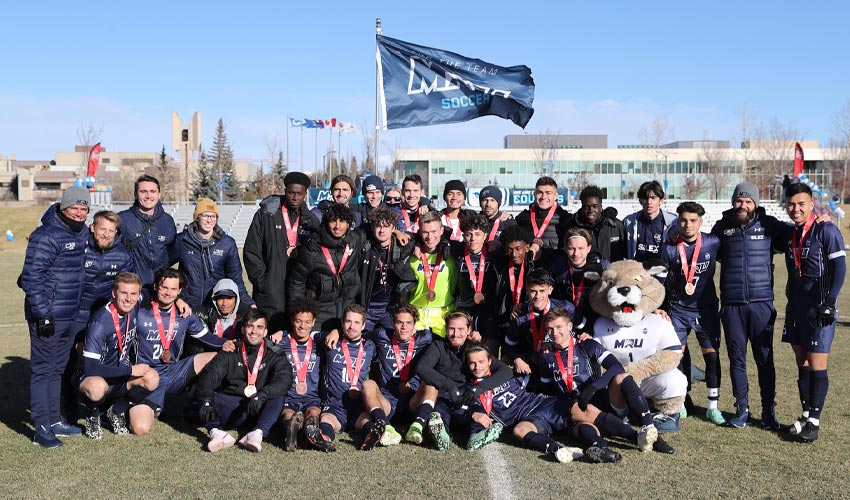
(587, 366)
(102, 342)
(337, 380)
(314, 366)
(704, 295)
(568, 278)
(649, 235)
(519, 341)
(822, 244)
(386, 356)
(511, 402)
(149, 350)
(466, 291)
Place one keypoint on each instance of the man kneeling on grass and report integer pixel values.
(248, 382)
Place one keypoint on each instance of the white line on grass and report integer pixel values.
(501, 486)
(13, 325)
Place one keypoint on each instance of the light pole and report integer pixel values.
(327, 165)
(666, 169)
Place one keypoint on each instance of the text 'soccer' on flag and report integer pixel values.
(425, 86)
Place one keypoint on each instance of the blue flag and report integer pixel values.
(426, 86)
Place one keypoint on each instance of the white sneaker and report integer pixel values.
(253, 441)
(647, 436)
(220, 440)
(567, 454)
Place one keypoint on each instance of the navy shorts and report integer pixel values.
(552, 415)
(301, 403)
(805, 332)
(399, 403)
(172, 379)
(345, 409)
(706, 324)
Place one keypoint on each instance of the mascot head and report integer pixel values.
(627, 291)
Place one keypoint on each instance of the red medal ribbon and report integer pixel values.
(403, 364)
(486, 400)
(566, 372)
(494, 230)
(477, 281)
(431, 272)
(301, 366)
(291, 229)
(255, 370)
(116, 320)
(165, 339)
(330, 260)
(456, 235)
(575, 292)
(797, 249)
(516, 288)
(538, 232)
(353, 373)
(689, 273)
(410, 228)
(537, 334)
(219, 330)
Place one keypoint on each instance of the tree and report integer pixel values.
(694, 185)
(167, 176)
(839, 150)
(657, 134)
(279, 171)
(222, 165)
(775, 147)
(204, 185)
(545, 152)
(87, 137)
(715, 167)
(368, 149)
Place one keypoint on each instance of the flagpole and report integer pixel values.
(330, 150)
(339, 146)
(287, 143)
(316, 159)
(378, 31)
(301, 165)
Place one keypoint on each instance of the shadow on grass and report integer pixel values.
(176, 416)
(14, 377)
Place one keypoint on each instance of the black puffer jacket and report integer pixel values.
(311, 276)
(609, 236)
(553, 235)
(226, 374)
(400, 274)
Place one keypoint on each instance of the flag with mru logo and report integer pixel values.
(426, 86)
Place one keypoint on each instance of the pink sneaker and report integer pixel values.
(220, 440)
(253, 441)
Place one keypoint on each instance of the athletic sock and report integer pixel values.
(540, 442)
(589, 436)
(713, 394)
(685, 366)
(819, 387)
(636, 400)
(424, 412)
(378, 414)
(367, 427)
(712, 373)
(120, 406)
(612, 426)
(327, 430)
(804, 381)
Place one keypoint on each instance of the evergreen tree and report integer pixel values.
(204, 185)
(222, 166)
(278, 173)
(165, 174)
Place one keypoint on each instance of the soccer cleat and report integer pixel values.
(667, 423)
(796, 427)
(290, 434)
(742, 416)
(317, 439)
(597, 455)
(715, 416)
(809, 432)
(93, 428)
(118, 422)
(414, 433)
(220, 440)
(391, 436)
(45, 438)
(253, 441)
(683, 412)
(661, 446)
(567, 454)
(373, 437)
(689, 407)
(768, 419)
(483, 437)
(64, 429)
(647, 436)
(438, 432)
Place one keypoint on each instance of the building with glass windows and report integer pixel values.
(686, 169)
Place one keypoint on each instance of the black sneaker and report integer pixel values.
(118, 421)
(597, 455)
(317, 439)
(809, 432)
(796, 427)
(768, 420)
(291, 432)
(690, 407)
(661, 446)
(373, 437)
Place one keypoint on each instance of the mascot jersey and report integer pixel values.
(634, 343)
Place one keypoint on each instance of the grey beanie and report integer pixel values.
(75, 195)
(746, 190)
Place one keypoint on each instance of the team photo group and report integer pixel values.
(395, 321)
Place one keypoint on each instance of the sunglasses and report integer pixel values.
(395, 199)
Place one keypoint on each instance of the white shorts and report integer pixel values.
(665, 385)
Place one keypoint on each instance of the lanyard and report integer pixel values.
(537, 334)
(566, 372)
(165, 339)
(538, 232)
(330, 260)
(486, 400)
(291, 229)
(477, 279)
(116, 320)
(255, 370)
(797, 249)
(495, 229)
(576, 293)
(689, 272)
(410, 228)
(403, 364)
(301, 366)
(516, 288)
(353, 372)
(219, 330)
(431, 272)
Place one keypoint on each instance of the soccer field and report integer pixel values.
(710, 462)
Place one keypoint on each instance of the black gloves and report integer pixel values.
(585, 396)
(207, 411)
(471, 395)
(255, 404)
(456, 396)
(46, 327)
(826, 312)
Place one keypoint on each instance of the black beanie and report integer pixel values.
(454, 185)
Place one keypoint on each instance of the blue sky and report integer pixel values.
(599, 67)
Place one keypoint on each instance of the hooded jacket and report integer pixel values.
(609, 236)
(399, 272)
(149, 239)
(52, 277)
(101, 265)
(632, 225)
(209, 313)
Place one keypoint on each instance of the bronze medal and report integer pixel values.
(354, 393)
(301, 388)
(165, 356)
(431, 295)
(690, 288)
(250, 390)
(479, 298)
(403, 387)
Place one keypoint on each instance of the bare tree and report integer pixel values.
(370, 160)
(395, 169)
(775, 146)
(273, 182)
(694, 185)
(715, 165)
(839, 149)
(657, 134)
(87, 137)
(545, 152)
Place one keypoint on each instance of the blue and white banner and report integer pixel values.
(426, 86)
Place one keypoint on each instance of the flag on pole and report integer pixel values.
(298, 122)
(346, 127)
(329, 123)
(94, 160)
(421, 85)
(798, 160)
(314, 123)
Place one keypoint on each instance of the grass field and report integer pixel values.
(710, 462)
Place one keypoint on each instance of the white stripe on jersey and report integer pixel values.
(835, 255)
(200, 334)
(91, 355)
